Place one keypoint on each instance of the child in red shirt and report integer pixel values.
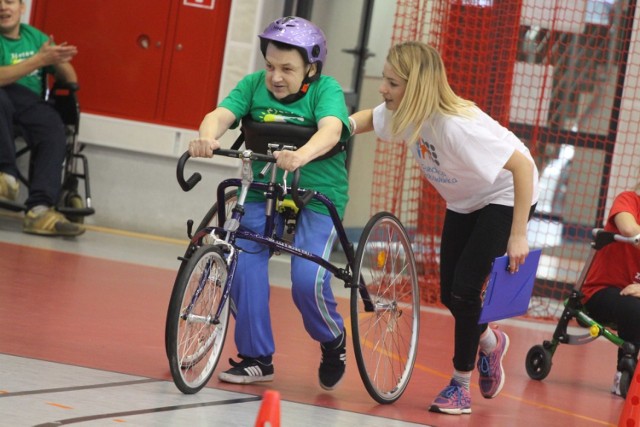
(612, 287)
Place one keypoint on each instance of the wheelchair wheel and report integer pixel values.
(625, 382)
(538, 362)
(627, 367)
(385, 308)
(194, 335)
(211, 218)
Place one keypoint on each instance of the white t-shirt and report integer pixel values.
(463, 158)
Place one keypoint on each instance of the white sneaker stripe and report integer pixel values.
(253, 371)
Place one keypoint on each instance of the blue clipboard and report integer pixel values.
(507, 295)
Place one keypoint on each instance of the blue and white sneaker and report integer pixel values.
(247, 371)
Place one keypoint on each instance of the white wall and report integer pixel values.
(380, 36)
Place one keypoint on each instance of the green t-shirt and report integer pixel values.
(13, 51)
(324, 98)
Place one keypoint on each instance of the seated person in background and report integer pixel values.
(24, 53)
(612, 287)
(290, 90)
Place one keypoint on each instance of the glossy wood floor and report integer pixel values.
(82, 342)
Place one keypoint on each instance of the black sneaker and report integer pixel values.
(247, 371)
(334, 360)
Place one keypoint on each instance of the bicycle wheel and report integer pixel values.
(385, 308)
(194, 335)
(211, 218)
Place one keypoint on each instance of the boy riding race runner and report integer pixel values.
(291, 89)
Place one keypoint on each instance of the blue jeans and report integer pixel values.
(44, 133)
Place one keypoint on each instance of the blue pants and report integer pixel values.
(311, 288)
(44, 132)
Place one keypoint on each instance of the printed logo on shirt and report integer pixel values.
(424, 151)
(637, 278)
(429, 149)
(17, 58)
(273, 115)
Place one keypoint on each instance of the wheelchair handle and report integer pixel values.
(602, 238)
(633, 240)
(66, 85)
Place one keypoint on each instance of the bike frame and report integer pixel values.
(381, 269)
(231, 230)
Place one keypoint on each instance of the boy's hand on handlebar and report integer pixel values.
(203, 147)
(289, 160)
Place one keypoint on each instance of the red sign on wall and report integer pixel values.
(204, 4)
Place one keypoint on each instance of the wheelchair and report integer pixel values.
(71, 202)
(539, 358)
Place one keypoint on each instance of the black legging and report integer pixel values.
(609, 307)
(470, 243)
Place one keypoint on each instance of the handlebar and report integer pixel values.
(60, 85)
(602, 238)
(189, 183)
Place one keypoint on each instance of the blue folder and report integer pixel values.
(507, 294)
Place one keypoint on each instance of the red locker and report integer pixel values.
(146, 60)
(196, 61)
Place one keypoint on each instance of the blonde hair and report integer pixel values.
(427, 90)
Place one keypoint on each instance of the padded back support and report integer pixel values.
(258, 135)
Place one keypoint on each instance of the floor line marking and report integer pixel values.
(76, 388)
(119, 415)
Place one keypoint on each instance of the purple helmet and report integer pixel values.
(299, 33)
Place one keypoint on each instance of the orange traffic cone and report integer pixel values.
(630, 416)
(269, 415)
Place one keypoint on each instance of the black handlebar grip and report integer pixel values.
(191, 182)
(300, 201)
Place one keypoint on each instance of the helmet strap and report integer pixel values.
(302, 91)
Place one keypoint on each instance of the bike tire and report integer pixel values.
(194, 338)
(385, 308)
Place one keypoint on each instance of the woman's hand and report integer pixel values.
(517, 250)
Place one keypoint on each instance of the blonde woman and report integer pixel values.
(489, 182)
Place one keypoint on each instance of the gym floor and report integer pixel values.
(82, 342)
